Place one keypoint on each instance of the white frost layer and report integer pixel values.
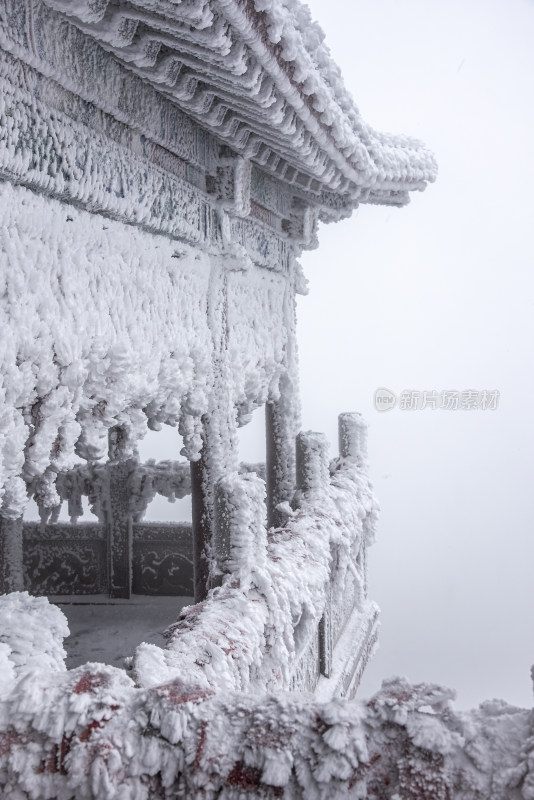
(106, 325)
(253, 633)
(268, 56)
(91, 734)
(31, 635)
(99, 329)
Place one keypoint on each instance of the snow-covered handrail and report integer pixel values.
(90, 733)
(290, 576)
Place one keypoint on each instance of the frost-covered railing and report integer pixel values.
(92, 734)
(59, 558)
(289, 603)
(117, 553)
(287, 596)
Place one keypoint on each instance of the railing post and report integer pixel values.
(312, 462)
(312, 480)
(353, 447)
(279, 459)
(11, 553)
(222, 530)
(326, 644)
(239, 540)
(119, 521)
(352, 431)
(202, 516)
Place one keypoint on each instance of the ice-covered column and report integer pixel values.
(312, 481)
(280, 452)
(118, 518)
(239, 540)
(201, 522)
(312, 464)
(219, 455)
(326, 641)
(352, 431)
(11, 574)
(282, 421)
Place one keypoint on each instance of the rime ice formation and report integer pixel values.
(64, 389)
(163, 163)
(92, 113)
(95, 735)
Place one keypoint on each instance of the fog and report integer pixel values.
(439, 296)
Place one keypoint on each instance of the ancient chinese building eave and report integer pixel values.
(247, 72)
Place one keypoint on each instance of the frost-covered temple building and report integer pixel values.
(163, 164)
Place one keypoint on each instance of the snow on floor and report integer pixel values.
(108, 631)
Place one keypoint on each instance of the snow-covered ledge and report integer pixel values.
(285, 595)
(91, 734)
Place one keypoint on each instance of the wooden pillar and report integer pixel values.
(11, 573)
(280, 458)
(119, 522)
(202, 525)
(352, 430)
(219, 451)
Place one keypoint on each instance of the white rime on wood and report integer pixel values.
(95, 735)
(353, 438)
(312, 463)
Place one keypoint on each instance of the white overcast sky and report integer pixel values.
(439, 295)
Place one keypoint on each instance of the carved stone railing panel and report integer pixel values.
(308, 670)
(65, 559)
(162, 561)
